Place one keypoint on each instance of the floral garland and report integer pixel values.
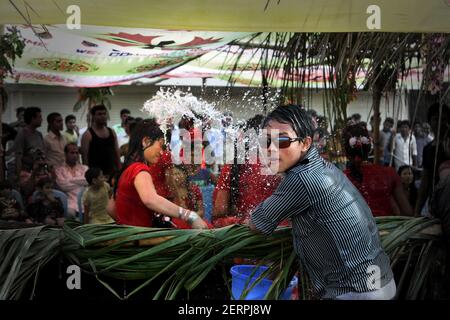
(358, 142)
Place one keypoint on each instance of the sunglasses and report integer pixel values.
(283, 142)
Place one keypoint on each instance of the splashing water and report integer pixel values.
(170, 106)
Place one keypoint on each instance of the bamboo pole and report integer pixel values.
(376, 95)
(2, 107)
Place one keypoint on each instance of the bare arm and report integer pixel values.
(111, 208)
(222, 203)
(422, 194)
(85, 142)
(402, 201)
(147, 193)
(117, 149)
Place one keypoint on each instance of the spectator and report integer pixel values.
(385, 139)
(405, 151)
(8, 136)
(356, 118)
(421, 140)
(121, 133)
(130, 123)
(427, 131)
(380, 186)
(20, 123)
(32, 173)
(185, 194)
(95, 198)
(70, 177)
(430, 176)
(54, 141)
(195, 173)
(72, 133)
(99, 144)
(439, 204)
(28, 139)
(46, 208)
(406, 174)
(10, 209)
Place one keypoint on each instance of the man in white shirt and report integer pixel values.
(405, 152)
(122, 136)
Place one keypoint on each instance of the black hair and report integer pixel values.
(434, 110)
(99, 107)
(356, 116)
(30, 113)
(43, 181)
(124, 111)
(51, 117)
(91, 174)
(404, 123)
(69, 117)
(5, 185)
(296, 117)
(389, 120)
(412, 187)
(146, 128)
(19, 110)
(356, 130)
(66, 147)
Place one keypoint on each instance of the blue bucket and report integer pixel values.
(240, 276)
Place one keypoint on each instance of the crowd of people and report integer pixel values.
(126, 174)
(81, 173)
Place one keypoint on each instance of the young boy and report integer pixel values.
(334, 232)
(10, 209)
(46, 208)
(95, 198)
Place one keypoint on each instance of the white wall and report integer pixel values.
(61, 99)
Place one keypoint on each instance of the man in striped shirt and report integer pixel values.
(334, 233)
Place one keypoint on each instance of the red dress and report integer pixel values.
(377, 187)
(254, 188)
(130, 210)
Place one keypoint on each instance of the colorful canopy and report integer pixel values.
(241, 15)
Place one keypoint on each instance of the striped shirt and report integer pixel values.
(334, 232)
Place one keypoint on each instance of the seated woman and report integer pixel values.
(136, 201)
(380, 186)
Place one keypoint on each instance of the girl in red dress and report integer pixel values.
(136, 200)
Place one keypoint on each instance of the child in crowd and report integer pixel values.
(10, 209)
(184, 193)
(46, 208)
(95, 198)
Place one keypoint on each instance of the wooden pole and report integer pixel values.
(376, 96)
(2, 107)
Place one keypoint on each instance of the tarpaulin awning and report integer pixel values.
(106, 56)
(240, 15)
